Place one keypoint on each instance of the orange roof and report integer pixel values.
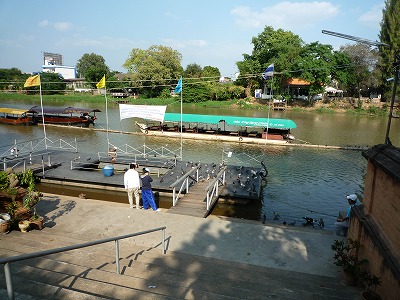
(297, 81)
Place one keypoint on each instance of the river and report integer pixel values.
(302, 182)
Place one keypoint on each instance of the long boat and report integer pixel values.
(228, 128)
(65, 115)
(15, 116)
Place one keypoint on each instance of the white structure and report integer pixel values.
(53, 64)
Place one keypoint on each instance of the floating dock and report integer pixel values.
(188, 183)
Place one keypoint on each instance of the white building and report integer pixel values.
(53, 64)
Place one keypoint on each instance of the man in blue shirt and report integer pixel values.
(342, 224)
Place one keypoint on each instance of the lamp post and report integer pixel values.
(396, 64)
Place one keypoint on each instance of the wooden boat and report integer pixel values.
(227, 128)
(65, 115)
(16, 116)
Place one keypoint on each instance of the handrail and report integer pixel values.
(214, 185)
(185, 182)
(6, 261)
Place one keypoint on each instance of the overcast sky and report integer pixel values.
(205, 32)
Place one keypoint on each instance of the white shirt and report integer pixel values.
(131, 179)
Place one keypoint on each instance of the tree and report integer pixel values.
(153, 68)
(389, 35)
(363, 63)
(211, 72)
(92, 67)
(270, 46)
(192, 71)
(11, 79)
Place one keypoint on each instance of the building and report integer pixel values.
(376, 223)
(52, 63)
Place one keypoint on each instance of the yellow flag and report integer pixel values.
(101, 83)
(32, 81)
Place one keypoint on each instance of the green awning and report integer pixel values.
(231, 120)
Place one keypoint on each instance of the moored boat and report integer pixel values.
(65, 115)
(15, 116)
(228, 128)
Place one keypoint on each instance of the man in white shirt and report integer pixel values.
(132, 185)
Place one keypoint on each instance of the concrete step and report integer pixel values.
(175, 275)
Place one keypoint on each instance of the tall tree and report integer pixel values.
(363, 63)
(92, 67)
(211, 72)
(153, 68)
(193, 71)
(390, 35)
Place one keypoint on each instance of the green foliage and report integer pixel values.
(199, 92)
(92, 67)
(193, 71)
(28, 179)
(12, 79)
(165, 93)
(210, 72)
(152, 69)
(324, 110)
(389, 35)
(346, 256)
(4, 180)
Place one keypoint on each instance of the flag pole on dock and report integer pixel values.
(178, 89)
(102, 84)
(35, 81)
(269, 74)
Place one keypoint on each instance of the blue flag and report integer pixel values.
(178, 87)
(269, 72)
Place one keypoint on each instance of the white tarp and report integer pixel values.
(148, 112)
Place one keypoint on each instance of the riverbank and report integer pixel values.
(330, 106)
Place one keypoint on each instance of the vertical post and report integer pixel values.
(117, 256)
(7, 272)
(396, 79)
(163, 241)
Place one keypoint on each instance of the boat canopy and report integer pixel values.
(231, 120)
(62, 110)
(13, 111)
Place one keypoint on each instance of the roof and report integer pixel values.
(386, 157)
(297, 81)
(231, 120)
(13, 111)
(62, 110)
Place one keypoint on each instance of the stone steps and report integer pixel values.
(146, 273)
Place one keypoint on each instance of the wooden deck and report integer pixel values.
(193, 203)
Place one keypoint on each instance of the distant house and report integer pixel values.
(52, 63)
(297, 88)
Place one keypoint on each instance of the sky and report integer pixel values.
(207, 32)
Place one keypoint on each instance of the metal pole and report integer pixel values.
(396, 79)
(117, 255)
(163, 241)
(7, 272)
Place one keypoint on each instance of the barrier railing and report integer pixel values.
(184, 183)
(212, 189)
(8, 260)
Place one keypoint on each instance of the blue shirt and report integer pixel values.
(146, 182)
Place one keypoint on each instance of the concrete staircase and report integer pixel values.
(146, 273)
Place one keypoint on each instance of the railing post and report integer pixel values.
(7, 273)
(48, 160)
(173, 196)
(163, 241)
(117, 255)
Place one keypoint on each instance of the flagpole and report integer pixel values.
(41, 106)
(105, 96)
(181, 124)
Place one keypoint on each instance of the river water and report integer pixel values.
(302, 182)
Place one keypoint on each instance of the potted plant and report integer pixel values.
(371, 282)
(36, 221)
(346, 257)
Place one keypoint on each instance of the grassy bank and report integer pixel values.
(332, 107)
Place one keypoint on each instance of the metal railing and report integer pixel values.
(212, 189)
(6, 261)
(184, 181)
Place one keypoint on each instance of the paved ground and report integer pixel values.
(288, 248)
